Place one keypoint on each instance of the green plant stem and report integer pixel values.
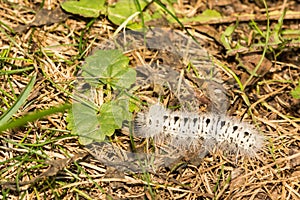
(265, 48)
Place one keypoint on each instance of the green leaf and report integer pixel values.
(85, 8)
(226, 36)
(113, 114)
(83, 121)
(21, 99)
(107, 67)
(111, 67)
(211, 13)
(296, 92)
(123, 10)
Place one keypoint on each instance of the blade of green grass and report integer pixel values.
(5, 100)
(226, 68)
(7, 27)
(82, 41)
(20, 101)
(15, 43)
(82, 194)
(23, 59)
(34, 116)
(158, 2)
(24, 147)
(15, 71)
(139, 8)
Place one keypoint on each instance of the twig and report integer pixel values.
(275, 15)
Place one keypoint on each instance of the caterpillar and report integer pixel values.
(181, 132)
(188, 130)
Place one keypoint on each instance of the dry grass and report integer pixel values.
(55, 51)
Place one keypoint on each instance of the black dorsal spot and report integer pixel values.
(207, 121)
(165, 118)
(185, 120)
(176, 118)
(246, 133)
(222, 124)
(235, 128)
(195, 121)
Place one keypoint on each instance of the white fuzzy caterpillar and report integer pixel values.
(189, 130)
(183, 133)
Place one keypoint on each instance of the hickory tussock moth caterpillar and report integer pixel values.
(187, 130)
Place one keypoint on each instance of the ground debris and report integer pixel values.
(44, 17)
(54, 167)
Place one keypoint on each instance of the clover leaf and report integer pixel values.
(109, 67)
